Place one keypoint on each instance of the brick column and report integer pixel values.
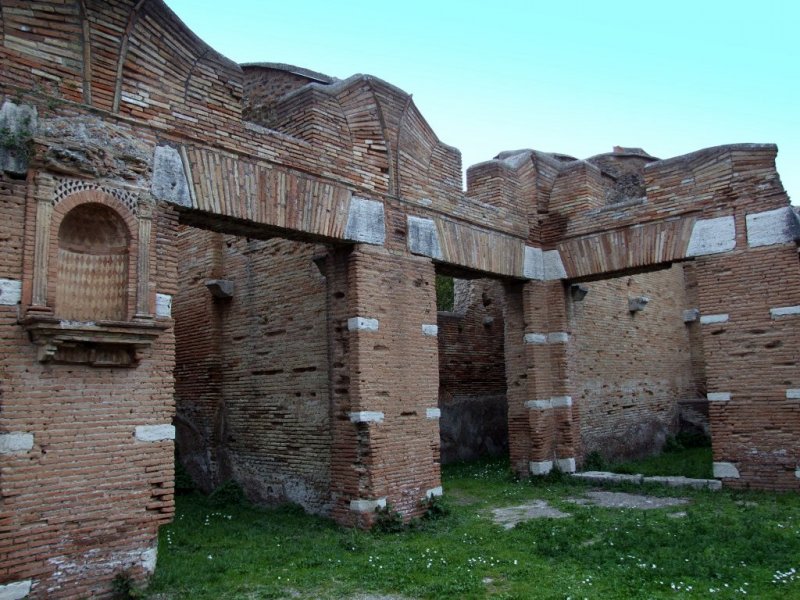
(539, 403)
(750, 325)
(385, 416)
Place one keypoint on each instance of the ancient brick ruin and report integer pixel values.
(240, 260)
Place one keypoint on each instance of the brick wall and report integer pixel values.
(82, 423)
(472, 377)
(252, 387)
(629, 370)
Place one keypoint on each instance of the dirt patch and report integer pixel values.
(538, 509)
(624, 500)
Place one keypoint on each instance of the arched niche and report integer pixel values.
(90, 298)
(92, 265)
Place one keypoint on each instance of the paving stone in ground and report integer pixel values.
(624, 500)
(538, 509)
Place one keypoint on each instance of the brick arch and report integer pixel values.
(65, 207)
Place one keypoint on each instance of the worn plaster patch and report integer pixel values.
(510, 516)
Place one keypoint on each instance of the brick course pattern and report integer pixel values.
(336, 199)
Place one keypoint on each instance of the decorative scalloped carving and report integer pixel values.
(66, 187)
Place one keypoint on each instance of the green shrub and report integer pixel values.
(229, 493)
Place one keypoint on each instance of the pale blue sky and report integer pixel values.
(561, 76)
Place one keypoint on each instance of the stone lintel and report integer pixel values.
(539, 404)
(367, 506)
(155, 433)
(558, 337)
(366, 416)
(793, 394)
(724, 470)
(712, 236)
(561, 401)
(535, 338)
(362, 324)
(719, 396)
(784, 311)
(713, 319)
(365, 222)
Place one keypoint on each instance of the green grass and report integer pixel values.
(689, 462)
(729, 542)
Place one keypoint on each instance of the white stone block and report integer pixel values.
(430, 330)
(784, 311)
(719, 396)
(533, 267)
(433, 413)
(155, 433)
(163, 305)
(16, 590)
(535, 338)
(365, 222)
(712, 236)
(367, 506)
(423, 238)
(725, 470)
(558, 337)
(148, 559)
(553, 267)
(366, 416)
(539, 404)
(169, 181)
(793, 394)
(10, 292)
(772, 227)
(16, 442)
(691, 315)
(437, 491)
(797, 472)
(566, 465)
(713, 319)
(561, 401)
(540, 468)
(362, 324)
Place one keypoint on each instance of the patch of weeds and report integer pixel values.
(19, 142)
(435, 508)
(388, 520)
(594, 461)
(184, 484)
(124, 588)
(229, 493)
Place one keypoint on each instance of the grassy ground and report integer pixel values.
(725, 545)
(689, 462)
